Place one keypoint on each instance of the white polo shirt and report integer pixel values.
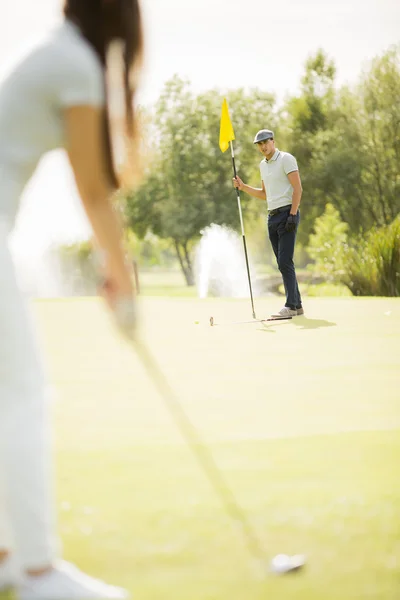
(274, 173)
(61, 70)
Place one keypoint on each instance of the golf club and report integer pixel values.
(205, 458)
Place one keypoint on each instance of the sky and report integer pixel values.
(221, 44)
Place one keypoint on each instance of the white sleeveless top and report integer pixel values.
(62, 70)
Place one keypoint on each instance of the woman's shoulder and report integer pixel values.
(70, 49)
(75, 67)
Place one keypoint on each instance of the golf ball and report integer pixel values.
(283, 563)
(280, 563)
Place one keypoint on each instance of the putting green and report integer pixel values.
(302, 416)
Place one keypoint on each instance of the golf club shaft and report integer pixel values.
(203, 455)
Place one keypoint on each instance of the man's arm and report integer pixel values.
(294, 178)
(252, 191)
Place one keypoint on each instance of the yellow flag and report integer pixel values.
(226, 133)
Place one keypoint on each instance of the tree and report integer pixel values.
(358, 160)
(346, 141)
(380, 122)
(348, 144)
(188, 184)
(309, 119)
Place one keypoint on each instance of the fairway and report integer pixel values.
(302, 416)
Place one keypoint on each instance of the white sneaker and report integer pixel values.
(66, 582)
(285, 312)
(8, 574)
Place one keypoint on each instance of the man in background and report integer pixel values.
(281, 188)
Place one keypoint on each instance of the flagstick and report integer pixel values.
(243, 235)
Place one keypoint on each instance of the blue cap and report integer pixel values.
(262, 135)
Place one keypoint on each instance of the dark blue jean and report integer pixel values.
(283, 246)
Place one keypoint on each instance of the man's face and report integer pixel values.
(266, 147)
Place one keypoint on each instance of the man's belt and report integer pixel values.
(275, 211)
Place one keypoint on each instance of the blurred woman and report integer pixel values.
(56, 97)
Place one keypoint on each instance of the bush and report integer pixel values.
(326, 244)
(372, 263)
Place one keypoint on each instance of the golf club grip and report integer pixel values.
(203, 455)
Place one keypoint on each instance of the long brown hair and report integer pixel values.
(102, 22)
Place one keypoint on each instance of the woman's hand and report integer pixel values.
(121, 299)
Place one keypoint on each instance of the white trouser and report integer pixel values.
(26, 506)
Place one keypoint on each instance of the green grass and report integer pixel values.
(303, 418)
(165, 283)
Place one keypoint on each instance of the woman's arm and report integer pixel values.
(85, 147)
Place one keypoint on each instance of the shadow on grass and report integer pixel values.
(300, 322)
(304, 323)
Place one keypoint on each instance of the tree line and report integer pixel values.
(346, 141)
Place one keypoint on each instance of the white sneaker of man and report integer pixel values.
(8, 574)
(66, 582)
(285, 312)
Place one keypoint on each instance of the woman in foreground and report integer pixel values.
(56, 97)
